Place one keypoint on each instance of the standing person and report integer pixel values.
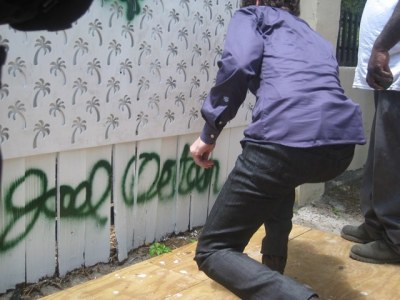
(304, 129)
(379, 69)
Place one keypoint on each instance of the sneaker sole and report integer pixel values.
(372, 260)
(354, 239)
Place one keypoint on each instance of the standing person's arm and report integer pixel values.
(239, 65)
(379, 75)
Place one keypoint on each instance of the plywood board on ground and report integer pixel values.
(316, 258)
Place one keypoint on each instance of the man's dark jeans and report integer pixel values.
(259, 190)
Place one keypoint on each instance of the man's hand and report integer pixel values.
(200, 152)
(379, 76)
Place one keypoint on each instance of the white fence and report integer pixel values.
(56, 209)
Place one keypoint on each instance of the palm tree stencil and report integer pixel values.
(181, 68)
(185, 3)
(161, 2)
(124, 104)
(93, 105)
(183, 35)
(195, 83)
(155, 68)
(218, 53)
(142, 120)
(82, 47)
(143, 83)
(95, 27)
(172, 50)
(207, 6)
(180, 101)
(229, 8)
(115, 48)
(4, 91)
(128, 31)
(58, 107)
(204, 69)
(169, 116)
(112, 121)
(41, 128)
(156, 32)
(41, 44)
(116, 10)
(3, 134)
(193, 115)
(198, 20)
(220, 23)
(126, 67)
(147, 13)
(173, 16)
(17, 67)
(144, 48)
(43, 87)
(78, 124)
(94, 67)
(196, 52)
(171, 84)
(58, 66)
(206, 36)
(79, 86)
(153, 102)
(17, 110)
(202, 97)
(113, 85)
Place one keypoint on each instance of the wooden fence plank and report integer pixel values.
(183, 201)
(97, 222)
(167, 188)
(71, 225)
(84, 207)
(12, 228)
(147, 198)
(40, 188)
(124, 161)
(196, 178)
(189, 205)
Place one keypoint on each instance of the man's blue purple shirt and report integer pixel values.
(293, 73)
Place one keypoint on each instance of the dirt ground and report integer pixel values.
(337, 207)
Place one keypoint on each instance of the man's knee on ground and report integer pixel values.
(200, 258)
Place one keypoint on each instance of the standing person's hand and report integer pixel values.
(200, 152)
(379, 75)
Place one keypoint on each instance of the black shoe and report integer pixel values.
(357, 234)
(377, 252)
(275, 263)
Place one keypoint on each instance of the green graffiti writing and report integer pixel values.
(163, 183)
(44, 204)
(132, 7)
(80, 203)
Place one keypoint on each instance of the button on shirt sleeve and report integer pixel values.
(239, 64)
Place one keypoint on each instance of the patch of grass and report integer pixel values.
(335, 211)
(158, 249)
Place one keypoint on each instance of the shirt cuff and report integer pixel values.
(209, 134)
